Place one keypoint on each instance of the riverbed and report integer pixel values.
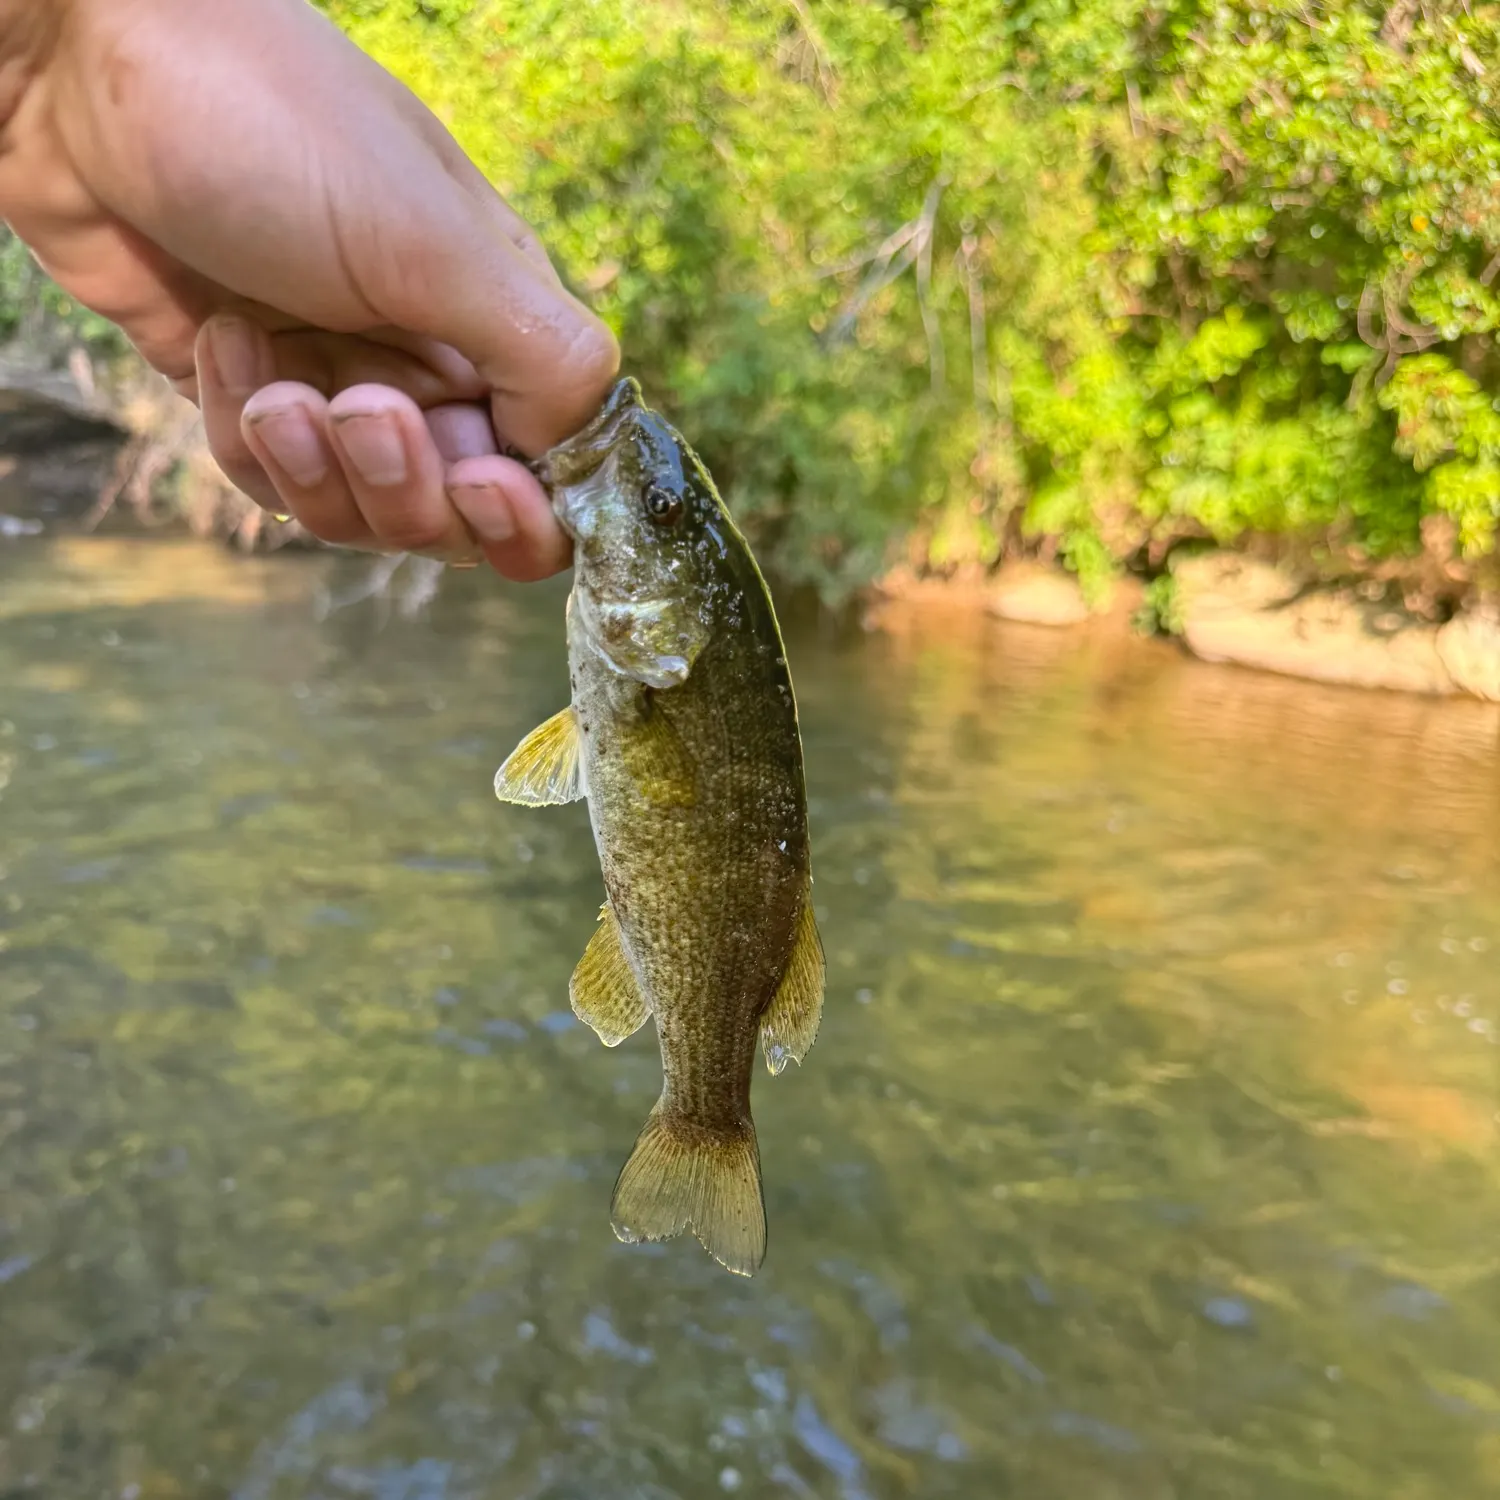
(1150, 1149)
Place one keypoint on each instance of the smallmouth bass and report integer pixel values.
(682, 735)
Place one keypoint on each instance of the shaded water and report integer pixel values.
(1149, 1148)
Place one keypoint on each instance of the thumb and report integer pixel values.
(296, 173)
(493, 294)
(547, 359)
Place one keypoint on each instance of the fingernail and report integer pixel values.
(485, 510)
(293, 443)
(235, 348)
(373, 442)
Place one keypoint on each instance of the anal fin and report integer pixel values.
(604, 991)
(789, 1026)
(543, 770)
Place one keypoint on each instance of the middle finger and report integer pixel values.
(395, 473)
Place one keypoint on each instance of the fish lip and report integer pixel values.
(571, 502)
(576, 458)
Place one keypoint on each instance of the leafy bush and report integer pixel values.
(39, 315)
(958, 278)
(1093, 276)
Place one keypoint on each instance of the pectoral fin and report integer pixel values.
(790, 1024)
(604, 991)
(543, 770)
(659, 763)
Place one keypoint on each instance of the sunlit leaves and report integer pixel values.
(1135, 274)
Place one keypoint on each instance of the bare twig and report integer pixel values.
(979, 350)
(810, 43)
(1363, 317)
(1397, 335)
(993, 465)
(876, 282)
(1395, 30)
(1235, 161)
(81, 368)
(1001, 81)
(883, 251)
(423, 577)
(905, 247)
(247, 533)
(979, 366)
(141, 463)
(936, 361)
(1187, 322)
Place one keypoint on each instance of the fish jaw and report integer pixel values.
(652, 641)
(579, 456)
(576, 505)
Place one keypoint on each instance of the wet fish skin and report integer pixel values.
(682, 734)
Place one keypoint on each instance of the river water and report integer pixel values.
(1151, 1147)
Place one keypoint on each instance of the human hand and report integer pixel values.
(294, 240)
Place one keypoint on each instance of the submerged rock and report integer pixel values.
(1469, 647)
(1236, 609)
(1023, 590)
(1037, 595)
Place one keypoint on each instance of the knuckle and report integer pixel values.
(593, 356)
(240, 467)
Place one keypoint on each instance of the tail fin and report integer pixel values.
(683, 1175)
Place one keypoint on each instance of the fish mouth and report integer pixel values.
(576, 458)
(574, 502)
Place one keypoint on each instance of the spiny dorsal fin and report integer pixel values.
(543, 770)
(604, 991)
(683, 1175)
(659, 762)
(790, 1024)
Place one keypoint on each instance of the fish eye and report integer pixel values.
(662, 506)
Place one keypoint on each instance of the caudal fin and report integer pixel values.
(683, 1175)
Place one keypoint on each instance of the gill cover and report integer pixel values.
(635, 502)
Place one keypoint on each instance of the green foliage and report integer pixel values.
(1105, 276)
(34, 310)
(1161, 607)
(967, 277)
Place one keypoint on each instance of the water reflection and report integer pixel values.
(1149, 1148)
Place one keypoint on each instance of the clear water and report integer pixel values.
(1149, 1148)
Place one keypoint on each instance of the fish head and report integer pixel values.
(650, 539)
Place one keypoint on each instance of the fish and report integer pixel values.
(681, 734)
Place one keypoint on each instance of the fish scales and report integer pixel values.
(682, 735)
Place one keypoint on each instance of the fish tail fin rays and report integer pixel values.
(684, 1175)
(789, 1026)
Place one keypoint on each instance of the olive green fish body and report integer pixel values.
(707, 891)
(682, 734)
